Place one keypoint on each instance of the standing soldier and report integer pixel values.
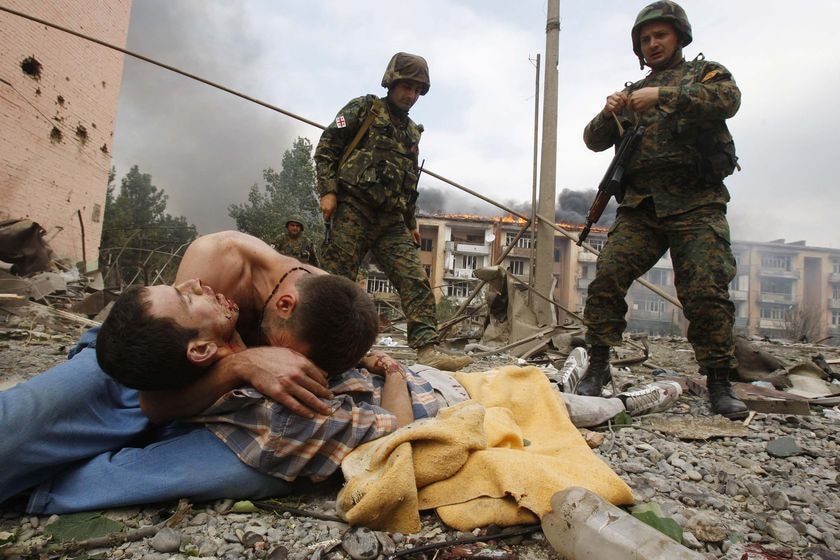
(674, 199)
(366, 166)
(295, 244)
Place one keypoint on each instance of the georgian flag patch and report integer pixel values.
(340, 122)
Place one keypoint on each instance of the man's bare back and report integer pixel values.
(240, 266)
(245, 270)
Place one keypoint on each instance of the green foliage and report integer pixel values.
(82, 526)
(289, 192)
(651, 514)
(446, 309)
(139, 237)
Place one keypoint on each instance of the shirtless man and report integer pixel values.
(76, 414)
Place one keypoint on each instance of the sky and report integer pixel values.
(206, 148)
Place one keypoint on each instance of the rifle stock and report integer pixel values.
(611, 184)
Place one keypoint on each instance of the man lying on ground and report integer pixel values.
(367, 404)
(74, 424)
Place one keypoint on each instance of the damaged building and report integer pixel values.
(58, 105)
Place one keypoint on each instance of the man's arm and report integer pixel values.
(279, 373)
(331, 147)
(714, 96)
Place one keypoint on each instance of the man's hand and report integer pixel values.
(615, 103)
(643, 99)
(380, 363)
(287, 377)
(415, 236)
(328, 205)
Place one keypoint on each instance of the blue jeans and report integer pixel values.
(79, 441)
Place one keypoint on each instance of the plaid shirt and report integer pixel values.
(272, 439)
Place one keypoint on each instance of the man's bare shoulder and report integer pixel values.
(222, 255)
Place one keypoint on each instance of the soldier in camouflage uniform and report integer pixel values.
(366, 166)
(295, 244)
(674, 199)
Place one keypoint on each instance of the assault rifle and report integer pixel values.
(611, 184)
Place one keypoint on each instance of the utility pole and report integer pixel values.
(548, 166)
(532, 265)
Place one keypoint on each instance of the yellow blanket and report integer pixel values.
(495, 459)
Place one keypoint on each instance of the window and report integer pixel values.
(835, 267)
(659, 276)
(516, 266)
(557, 254)
(380, 285)
(652, 305)
(459, 290)
(779, 262)
(425, 244)
(597, 243)
(523, 243)
(428, 269)
(470, 262)
(776, 286)
(835, 318)
(774, 312)
(835, 292)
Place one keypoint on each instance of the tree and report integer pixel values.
(141, 242)
(290, 192)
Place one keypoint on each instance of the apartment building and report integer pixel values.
(781, 290)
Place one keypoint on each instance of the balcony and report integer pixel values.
(740, 322)
(583, 283)
(586, 256)
(778, 273)
(467, 248)
(641, 315)
(464, 273)
(765, 297)
(834, 303)
(738, 295)
(834, 277)
(778, 324)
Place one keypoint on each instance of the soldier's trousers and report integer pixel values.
(354, 233)
(703, 268)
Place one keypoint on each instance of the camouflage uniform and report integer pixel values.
(376, 191)
(300, 248)
(675, 199)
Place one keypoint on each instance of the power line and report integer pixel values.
(236, 93)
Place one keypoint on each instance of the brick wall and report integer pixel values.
(58, 104)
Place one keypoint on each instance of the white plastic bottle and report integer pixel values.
(583, 526)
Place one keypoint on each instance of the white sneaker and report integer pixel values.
(569, 375)
(655, 397)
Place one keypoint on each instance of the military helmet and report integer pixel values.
(295, 219)
(664, 10)
(405, 66)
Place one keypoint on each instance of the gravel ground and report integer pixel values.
(727, 493)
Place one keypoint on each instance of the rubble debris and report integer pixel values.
(783, 447)
(22, 243)
(697, 428)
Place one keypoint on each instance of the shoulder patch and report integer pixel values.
(340, 122)
(709, 76)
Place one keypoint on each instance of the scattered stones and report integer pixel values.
(166, 540)
(783, 447)
(728, 493)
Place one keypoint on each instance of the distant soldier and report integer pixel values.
(674, 200)
(366, 175)
(295, 244)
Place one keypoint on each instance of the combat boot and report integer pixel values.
(721, 398)
(433, 356)
(597, 373)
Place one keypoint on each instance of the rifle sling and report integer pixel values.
(362, 130)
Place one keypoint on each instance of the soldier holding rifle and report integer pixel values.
(674, 198)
